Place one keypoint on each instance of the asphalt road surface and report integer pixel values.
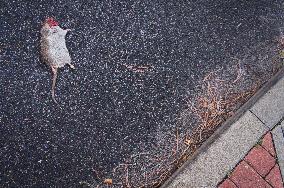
(136, 63)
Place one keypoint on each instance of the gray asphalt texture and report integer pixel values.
(109, 111)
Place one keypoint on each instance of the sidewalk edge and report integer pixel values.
(223, 128)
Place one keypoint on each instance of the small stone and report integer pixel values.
(108, 181)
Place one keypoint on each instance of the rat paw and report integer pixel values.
(71, 66)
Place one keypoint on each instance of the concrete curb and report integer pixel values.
(278, 137)
(229, 144)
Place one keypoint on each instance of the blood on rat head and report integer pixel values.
(51, 22)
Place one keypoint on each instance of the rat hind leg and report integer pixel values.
(71, 66)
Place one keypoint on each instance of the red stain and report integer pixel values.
(51, 22)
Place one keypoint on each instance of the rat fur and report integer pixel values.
(53, 49)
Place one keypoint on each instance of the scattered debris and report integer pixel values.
(188, 141)
(240, 70)
(138, 69)
(219, 98)
(108, 181)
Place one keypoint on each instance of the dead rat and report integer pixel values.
(53, 49)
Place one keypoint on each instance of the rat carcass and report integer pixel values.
(53, 48)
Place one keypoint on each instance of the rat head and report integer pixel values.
(52, 28)
(51, 22)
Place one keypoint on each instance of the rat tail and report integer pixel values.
(53, 84)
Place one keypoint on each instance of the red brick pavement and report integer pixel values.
(259, 169)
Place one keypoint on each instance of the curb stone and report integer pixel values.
(229, 144)
(259, 168)
(215, 163)
(278, 136)
(270, 108)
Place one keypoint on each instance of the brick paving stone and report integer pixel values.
(244, 176)
(260, 160)
(274, 177)
(227, 184)
(267, 143)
